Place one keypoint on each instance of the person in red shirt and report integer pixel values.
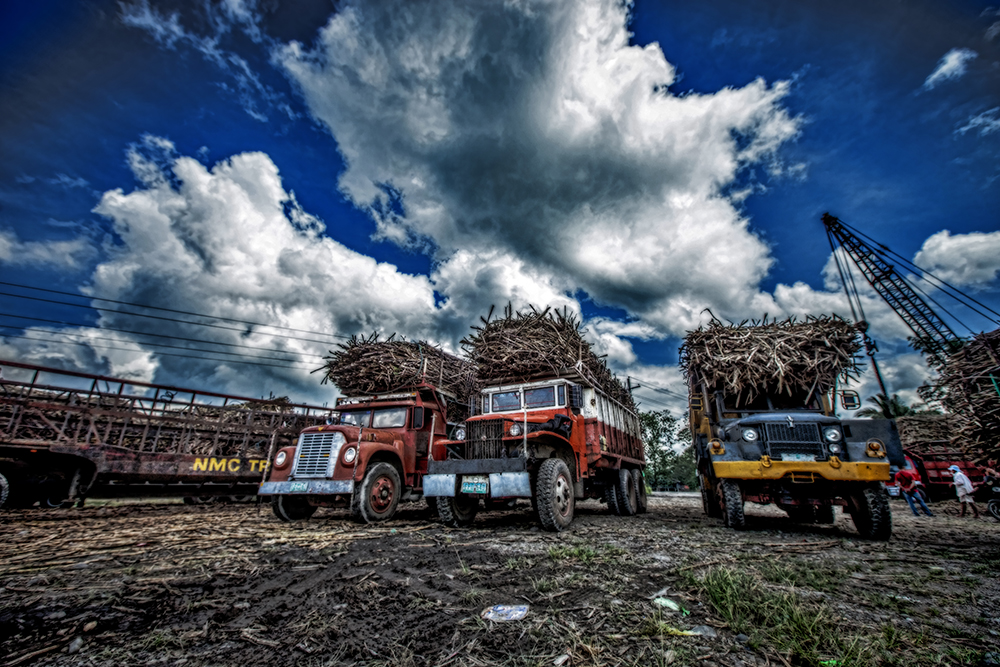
(907, 480)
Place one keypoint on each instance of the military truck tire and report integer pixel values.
(377, 497)
(994, 507)
(292, 508)
(554, 491)
(732, 505)
(709, 501)
(432, 506)
(457, 512)
(869, 508)
(625, 491)
(642, 503)
(4, 491)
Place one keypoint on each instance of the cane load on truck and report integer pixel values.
(553, 425)
(399, 398)
(762, 413)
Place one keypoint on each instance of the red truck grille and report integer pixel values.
(484, 439)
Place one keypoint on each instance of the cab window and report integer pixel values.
(508, 400)
(541, 397)
(356, 418)
(389, 418)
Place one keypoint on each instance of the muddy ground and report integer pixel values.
(130, 584)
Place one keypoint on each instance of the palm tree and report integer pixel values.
(893, 407)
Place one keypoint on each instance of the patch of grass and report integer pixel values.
(517, 563)
(824, 578)
(473, 595)
(543, 585)
(585, 555)
(810, 632)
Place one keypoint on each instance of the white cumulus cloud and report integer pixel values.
(951, 66)
(65, 254)
(961, 259)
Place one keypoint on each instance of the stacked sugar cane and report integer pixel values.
(521, 346)
(925, 433)
(369, 366)
(777, 357)
(971, 379)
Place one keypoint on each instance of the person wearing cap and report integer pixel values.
(964, 489)
(907, 481)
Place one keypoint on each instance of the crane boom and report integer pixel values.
(928, 328)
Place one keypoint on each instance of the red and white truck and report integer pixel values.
(370, 458)
(554, 440)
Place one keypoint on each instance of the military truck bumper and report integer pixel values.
(804, 471)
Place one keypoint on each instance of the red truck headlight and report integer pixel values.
(282, 459)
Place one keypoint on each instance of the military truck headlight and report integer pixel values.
(460, 432)
(832, 435)
(515, 429)
(279, 460)
(350, 454)
(834, 448)
(749, 435)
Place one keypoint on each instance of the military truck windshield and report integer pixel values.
(356, 418)
(542, 397)
(508, 400)
(389, 418)
(767, 403)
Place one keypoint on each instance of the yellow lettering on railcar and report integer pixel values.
(217, 465)
(213, 464)
(200, 465)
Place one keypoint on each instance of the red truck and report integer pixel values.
(935, 478)
(370, 457)
(67, 436)
(554, 441)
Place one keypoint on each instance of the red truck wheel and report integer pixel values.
(377, 497)
(554, 491)
(640, 492)
(625, 490)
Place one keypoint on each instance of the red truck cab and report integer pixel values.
(370, 458)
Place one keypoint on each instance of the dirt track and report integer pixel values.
(230, 585)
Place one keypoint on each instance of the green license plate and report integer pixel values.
(298, 487)
(475, 484)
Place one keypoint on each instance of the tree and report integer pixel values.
(893, 407)
(669, 454)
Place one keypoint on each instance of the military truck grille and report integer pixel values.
(797, 439)
(484, 439)
(315, 452)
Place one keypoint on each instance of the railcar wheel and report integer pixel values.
(642, 502)
(458, 511)
(869, 507)
(292, 508)
(377, 497)
(554, 490)
(732, 505)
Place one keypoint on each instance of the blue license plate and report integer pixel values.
(476, 484)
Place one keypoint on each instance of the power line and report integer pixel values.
(144, 333)
(158, 317)
(163, 354)
(172, 347)
(167, 310)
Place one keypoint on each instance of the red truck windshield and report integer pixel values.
(384, 418)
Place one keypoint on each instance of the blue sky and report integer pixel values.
(401, 167)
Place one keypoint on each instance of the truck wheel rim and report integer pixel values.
(561, 495)
(382, 494)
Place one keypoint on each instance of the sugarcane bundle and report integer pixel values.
(925, 433)
(777, 357)
(369, 365)
(971, 380)
(522, 346)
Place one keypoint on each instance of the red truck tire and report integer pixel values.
(642, 503)
(377, 497)
(626, 493)
(554, 491)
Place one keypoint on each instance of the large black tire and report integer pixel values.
(4, 491)
(642, 503)
(198, 500)
(611, 495)
(292, 508)
(869, 507)
(994, 507)
(458, 511)
(432, 506)
(732, 504)
(709, 499)
(377, 497)
(554, 494)
(626, 493)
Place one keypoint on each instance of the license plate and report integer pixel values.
(475, 484)
(798, 457)
(298, 487)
